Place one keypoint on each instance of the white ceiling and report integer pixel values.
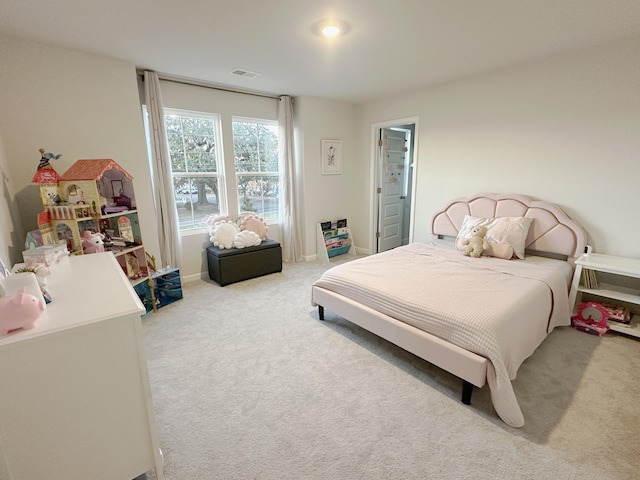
(392, 46)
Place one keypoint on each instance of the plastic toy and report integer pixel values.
(19, 311)
(75, 201)
(591, 317)
(92, 242)
(45, 157)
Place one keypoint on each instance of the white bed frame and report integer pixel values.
(552, 233)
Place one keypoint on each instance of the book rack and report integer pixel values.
(334, 239)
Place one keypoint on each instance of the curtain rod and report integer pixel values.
(197, 83)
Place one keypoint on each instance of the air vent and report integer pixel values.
(244, 73)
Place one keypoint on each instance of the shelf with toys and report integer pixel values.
(613, 283)
(92, 208)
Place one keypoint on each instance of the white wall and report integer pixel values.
(564, 130)
(330, 197)
(324, 196)
(11, 241)
(76, 104)
(87, 106)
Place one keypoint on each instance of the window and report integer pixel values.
(196, 160)
(197, 167)
(255, 145)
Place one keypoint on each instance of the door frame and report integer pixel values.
(376, 177)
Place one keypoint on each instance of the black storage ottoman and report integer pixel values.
(230, 265)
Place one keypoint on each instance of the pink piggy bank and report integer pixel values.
(19, 311)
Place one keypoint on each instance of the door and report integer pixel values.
(393, 169)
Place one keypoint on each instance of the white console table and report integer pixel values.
(75, 400)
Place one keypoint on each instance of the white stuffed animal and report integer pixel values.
(474, 246)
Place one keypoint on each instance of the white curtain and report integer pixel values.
(162, 184)
(289, 195)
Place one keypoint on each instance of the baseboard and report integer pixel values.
(195, 276)
(205, 275)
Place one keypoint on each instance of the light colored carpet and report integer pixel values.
(247, 383)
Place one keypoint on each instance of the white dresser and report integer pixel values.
(75, 400)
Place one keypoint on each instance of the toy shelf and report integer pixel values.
(118, 214)
(617, 281)
(97, 196)
(121, 251)
(334, 239)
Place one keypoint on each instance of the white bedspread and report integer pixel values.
(499, 309)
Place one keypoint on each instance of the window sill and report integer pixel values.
(194, 232)
(205, 231)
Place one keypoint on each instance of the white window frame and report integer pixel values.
(278, 174)
(220, 163)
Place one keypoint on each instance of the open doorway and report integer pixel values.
(395, 147)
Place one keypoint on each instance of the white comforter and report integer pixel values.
(499, 309)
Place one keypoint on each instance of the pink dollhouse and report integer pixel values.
(96, 196)
(77, 199)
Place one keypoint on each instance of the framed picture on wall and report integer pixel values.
(331, 157)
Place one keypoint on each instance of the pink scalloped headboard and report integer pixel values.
(551, 230)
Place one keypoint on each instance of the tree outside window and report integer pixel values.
(255, 144)
(197, 167)
(194, 152)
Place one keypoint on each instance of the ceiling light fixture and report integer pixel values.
(330, 28)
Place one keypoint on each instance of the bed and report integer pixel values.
(477, 318)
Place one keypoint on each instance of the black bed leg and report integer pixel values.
(320, 312)
(467, 389)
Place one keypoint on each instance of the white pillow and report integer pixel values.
(512, 231)
(246, 238)
(499, 250)
(223, 234)
(254, 223)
